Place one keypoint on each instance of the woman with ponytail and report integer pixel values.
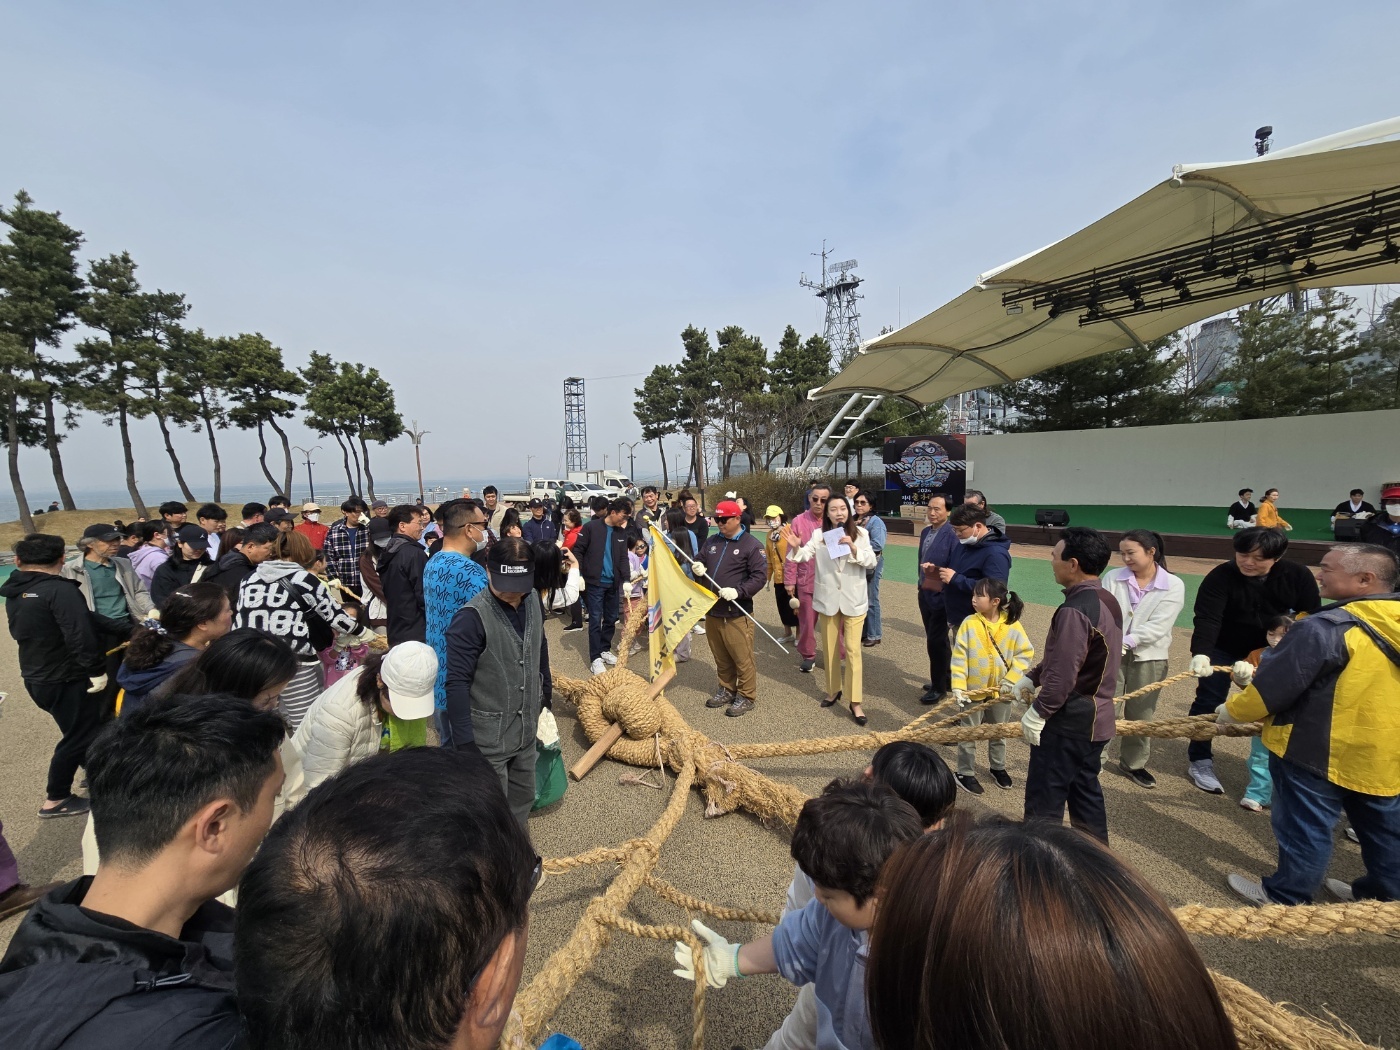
(193, 616)
(991, 647)
(1151, 599)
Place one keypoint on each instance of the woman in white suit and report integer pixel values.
(1151, 599)
(840, 598)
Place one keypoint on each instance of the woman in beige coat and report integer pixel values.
(839, 596)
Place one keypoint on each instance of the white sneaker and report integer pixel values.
(1339, 889)
(608, 658)
(597, 667)
(1251, 805)
(1202, 774)
(1353, 836)
(1250, 889)
(699, 628)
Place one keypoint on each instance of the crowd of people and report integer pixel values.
(216, 682)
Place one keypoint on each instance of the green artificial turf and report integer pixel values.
(1195, 521)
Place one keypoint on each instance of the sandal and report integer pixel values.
(72, 806)
(860, 719)
(832, 699)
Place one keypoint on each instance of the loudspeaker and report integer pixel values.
(1047, 517)
(1348, 530)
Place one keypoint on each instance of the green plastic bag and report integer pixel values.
(551, 779)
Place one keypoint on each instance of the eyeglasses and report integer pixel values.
(818, 499)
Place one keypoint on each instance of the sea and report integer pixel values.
(394, 490)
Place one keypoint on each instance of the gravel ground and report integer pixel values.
(1185, 842)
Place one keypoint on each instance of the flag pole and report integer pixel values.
(736, 605)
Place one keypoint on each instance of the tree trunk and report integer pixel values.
(174, 459)
(662, 449)
(345, 455)
(286, 489)
(262, 458)
(359, 476)
(26, 521)
(51, 443)
(136, 501)
(213, 449)
(369, 478)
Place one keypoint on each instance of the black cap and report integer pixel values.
(277, 514)
(193, 536)
(512, 566)
(104, 531)
(536, 502)
(379, 529)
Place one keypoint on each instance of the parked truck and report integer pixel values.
(550, 488)
(612, 482)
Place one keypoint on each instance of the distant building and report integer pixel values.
(978, 412)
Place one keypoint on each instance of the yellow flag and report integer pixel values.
(676, 604)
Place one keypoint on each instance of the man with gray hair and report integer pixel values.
(115, 596)
(1327, 697)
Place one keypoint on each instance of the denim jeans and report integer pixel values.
(602, 602)
(1305, 813)
(872, 589)
(1210, 693)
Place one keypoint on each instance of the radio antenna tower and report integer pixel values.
(575, 426)
(838, 290)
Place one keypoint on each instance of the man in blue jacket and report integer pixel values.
(936, 547)
(539, 527)
(983, 552)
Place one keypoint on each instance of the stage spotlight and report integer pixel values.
(1391, 251)
(1209, 263)
(1308, 268)
(1305, 240)
(1245, 281)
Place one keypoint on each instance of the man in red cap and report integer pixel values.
(733, 565)
(1384, 529)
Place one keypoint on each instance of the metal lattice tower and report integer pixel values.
(575, 426)
(838, 290)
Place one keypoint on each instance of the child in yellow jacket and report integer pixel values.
(991, 646)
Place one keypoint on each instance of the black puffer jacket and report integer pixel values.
(401, 575)
(50, 621)
(174, 573)
(80, 980)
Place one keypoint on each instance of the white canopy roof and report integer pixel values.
(978, 340)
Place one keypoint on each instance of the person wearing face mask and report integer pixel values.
(1384, 529)
(310, 526)
(776, 549)
(800, 577)
(983, 552)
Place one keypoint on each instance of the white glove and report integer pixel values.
(1200, 666)
(363, 636)
(1242, 673)
(794, 603)
(1288, 528)
(961, 698)
(1224, 718)
(99, 683)
(1023, 690)
(1006, 688)
(547, 729)
(698, 567)
(729, 594)
(721, 957)
(1031, 725)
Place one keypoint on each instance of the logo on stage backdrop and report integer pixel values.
(919, 467)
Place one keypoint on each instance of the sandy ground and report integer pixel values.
(1184, 841)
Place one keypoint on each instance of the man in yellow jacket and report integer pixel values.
(1329, 698)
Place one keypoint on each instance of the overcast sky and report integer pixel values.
(482, 199)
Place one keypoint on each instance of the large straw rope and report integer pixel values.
(656, 728)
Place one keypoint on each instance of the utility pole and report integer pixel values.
(310, 481)
(631, 458)
(528, 461)
(417, 437)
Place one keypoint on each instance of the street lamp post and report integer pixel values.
(631, 458)
(310, 481)
(417, 437)
(528, 461)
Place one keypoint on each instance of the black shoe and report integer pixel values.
(827, 701)
(1140, 777)
(742, 705)
(722, 698)
(927, 687)
(859, 719)
(573, 627)
(930, 698)
(971, 784)
(72, 806)
(806, 665)
(1002, 777)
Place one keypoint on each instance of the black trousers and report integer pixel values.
(1065, 770)
(787, 615)
(1210, 693)
(940, 653)
(79, 715)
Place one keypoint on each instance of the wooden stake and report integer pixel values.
(595, 754)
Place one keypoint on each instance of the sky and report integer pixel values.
(482, 200)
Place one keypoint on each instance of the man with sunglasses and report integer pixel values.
(800, 577)
(415, 856)
(452, 578)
